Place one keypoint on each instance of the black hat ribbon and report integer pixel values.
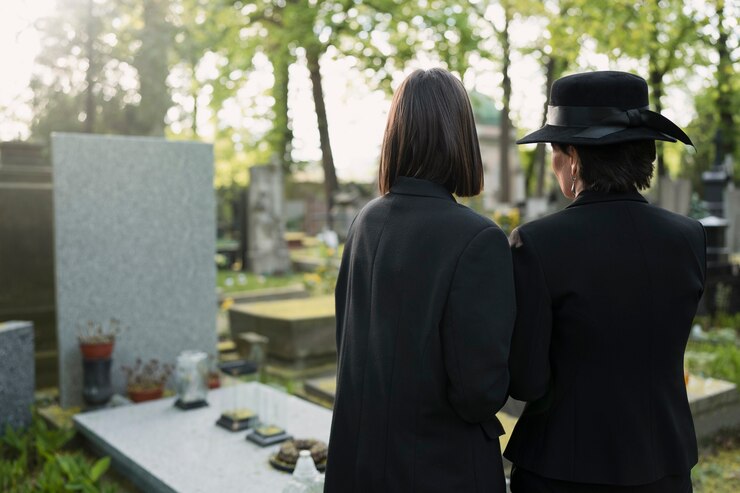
(604, 120)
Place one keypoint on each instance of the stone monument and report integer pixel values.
(135, 231)
(27, 246)
(16, 374)
(267, 252)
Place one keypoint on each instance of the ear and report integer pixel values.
(575, 161)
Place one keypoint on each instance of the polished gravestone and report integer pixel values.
(135, 240)
(16, 374)
(162, 449)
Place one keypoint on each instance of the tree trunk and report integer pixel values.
(656, 87)
(505, 140)
(725, 74)
(150, 62)
(539, 157)
(281, 135)
(331, 185)
(90, 72)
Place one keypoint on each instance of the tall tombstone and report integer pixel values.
(26, 249)
(16, 374)
(732, 199)
(135, 239)
(267, 252)
(675, 195)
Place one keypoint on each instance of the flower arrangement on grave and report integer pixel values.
(96, 340)
(145, 382)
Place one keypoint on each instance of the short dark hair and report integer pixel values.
(431, 135)
(618, 167)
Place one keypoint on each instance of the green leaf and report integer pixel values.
(99, 468)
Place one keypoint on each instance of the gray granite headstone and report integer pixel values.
(732, 198)
(675, 195)
(134, 239)
(267, 252)
(17, 377)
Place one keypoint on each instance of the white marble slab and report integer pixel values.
(163, 449)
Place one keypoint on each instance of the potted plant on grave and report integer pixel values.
(97, 341)
(145, 382)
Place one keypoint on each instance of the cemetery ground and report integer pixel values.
(51, 453)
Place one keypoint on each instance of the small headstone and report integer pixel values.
(17, 378)
(267, 252)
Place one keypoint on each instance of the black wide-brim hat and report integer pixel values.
(600, 108)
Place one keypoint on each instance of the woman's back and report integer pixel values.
(622, 280)
(423, 345)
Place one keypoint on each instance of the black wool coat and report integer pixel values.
(606, 293)
(425, 308)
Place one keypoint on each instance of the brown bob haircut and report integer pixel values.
(431, 135)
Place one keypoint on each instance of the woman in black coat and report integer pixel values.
(425, 309)
(606, 293)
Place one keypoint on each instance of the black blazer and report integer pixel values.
(425, 309)
(606, 293)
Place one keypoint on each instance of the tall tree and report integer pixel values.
(99, 71)
(557, 49)
(151, 61)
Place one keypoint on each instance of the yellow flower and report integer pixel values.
(330, 252)
(227, 303)
(312, 278)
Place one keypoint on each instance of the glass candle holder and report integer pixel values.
(191, 377)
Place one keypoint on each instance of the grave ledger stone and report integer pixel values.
(134, 239)
(16, 374)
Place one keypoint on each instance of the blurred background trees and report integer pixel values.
(184, 68)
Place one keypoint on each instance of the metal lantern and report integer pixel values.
(191, 377)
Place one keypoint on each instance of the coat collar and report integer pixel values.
(406, 185)
(592, 197)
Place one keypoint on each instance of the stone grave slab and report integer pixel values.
(163, 449)
(17, 377)
(135, 239)
(715, 404)
(299, 330)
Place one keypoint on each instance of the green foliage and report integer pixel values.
(102, 68)
(715, 360)
(324, 279)
(37, 460)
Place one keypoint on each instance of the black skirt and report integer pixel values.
(528, 482)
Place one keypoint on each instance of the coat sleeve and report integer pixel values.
(477, 325)
(529, 361)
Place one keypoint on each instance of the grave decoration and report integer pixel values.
(288, 456)
(238, 417)
(270, 429)
(145, 382)
(96, 345)
(191, 376)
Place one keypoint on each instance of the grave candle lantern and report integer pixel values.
(191, 376)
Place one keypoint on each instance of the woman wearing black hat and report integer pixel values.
(425, 309)
(606, 293)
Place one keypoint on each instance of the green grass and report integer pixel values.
(718, 470)
(246, 281)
